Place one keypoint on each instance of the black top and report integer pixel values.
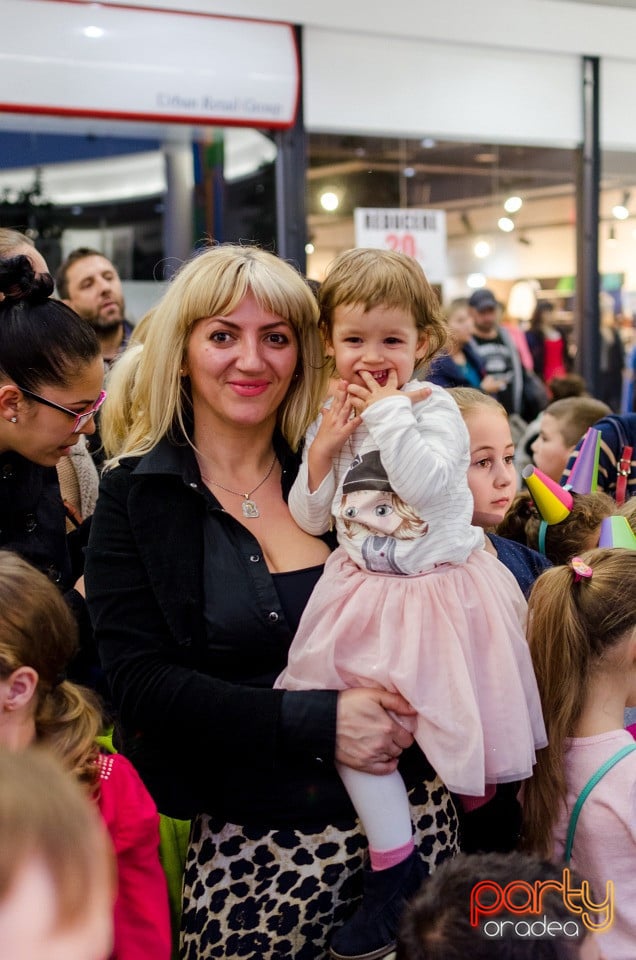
(192, 633)
(33, 525)
(32, 517)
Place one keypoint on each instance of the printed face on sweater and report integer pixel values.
(491, 475)
(377, 340)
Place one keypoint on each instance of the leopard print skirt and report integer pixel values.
(271, 895)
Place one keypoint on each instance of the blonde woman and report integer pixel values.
(197, 576)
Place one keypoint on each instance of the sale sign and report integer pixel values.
(418, 233)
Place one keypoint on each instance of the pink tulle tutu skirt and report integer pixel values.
(451, 641)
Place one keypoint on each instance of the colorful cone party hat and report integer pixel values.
(584, 473)
(553, 502)
(616, 532)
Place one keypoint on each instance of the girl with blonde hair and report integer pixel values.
(582, 637)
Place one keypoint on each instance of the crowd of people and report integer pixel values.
(297, 601)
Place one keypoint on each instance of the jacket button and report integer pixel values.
(272, 617)
(54, 574)
(255, 558)
(7, 471)
(30, 523)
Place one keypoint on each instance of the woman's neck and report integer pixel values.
(604, 706)
(229, 452)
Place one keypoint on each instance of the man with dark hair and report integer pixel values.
(496, 349)
(461, 912)
(89, 283)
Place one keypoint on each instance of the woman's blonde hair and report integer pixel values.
(573, 626)
(45, 815)
(469, 400)
(383, 278)
(37, 630)
(213, 283)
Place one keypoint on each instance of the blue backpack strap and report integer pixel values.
(587, 789)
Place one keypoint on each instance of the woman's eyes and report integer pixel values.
(509, 459)
(224, 336)
(482, 463)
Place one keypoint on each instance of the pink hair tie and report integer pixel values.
(581, 569)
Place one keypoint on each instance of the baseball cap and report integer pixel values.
(483, 300)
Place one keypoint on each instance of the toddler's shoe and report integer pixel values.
(371, 932)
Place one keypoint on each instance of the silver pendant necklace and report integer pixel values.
(249, 508)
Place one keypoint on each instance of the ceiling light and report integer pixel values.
(481, 249)
(309, 248)
(428, 143)
(409, 171)
(475, 281)
(506, 224)
(513, 204)
(94, 33)
(329, 201)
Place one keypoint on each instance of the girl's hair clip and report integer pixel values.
(581, 569)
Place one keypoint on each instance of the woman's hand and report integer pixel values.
(373, 727)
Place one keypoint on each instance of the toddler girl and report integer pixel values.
(410, 601)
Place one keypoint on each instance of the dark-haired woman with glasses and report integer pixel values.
(51, 378)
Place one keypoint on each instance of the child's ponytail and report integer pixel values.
(574, 620)
(68, 719)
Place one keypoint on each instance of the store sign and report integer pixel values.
(90, 59)
(418, 233)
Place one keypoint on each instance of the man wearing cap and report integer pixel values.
(496, 349)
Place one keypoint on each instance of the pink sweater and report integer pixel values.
(142, 916)
(605, 839)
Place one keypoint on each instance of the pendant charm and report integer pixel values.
(250, 510)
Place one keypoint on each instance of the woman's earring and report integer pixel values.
(14, 419)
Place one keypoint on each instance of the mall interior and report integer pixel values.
(219, 124)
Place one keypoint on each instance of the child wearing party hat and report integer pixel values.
(410, 601)
(561, 426)
(561, 521)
